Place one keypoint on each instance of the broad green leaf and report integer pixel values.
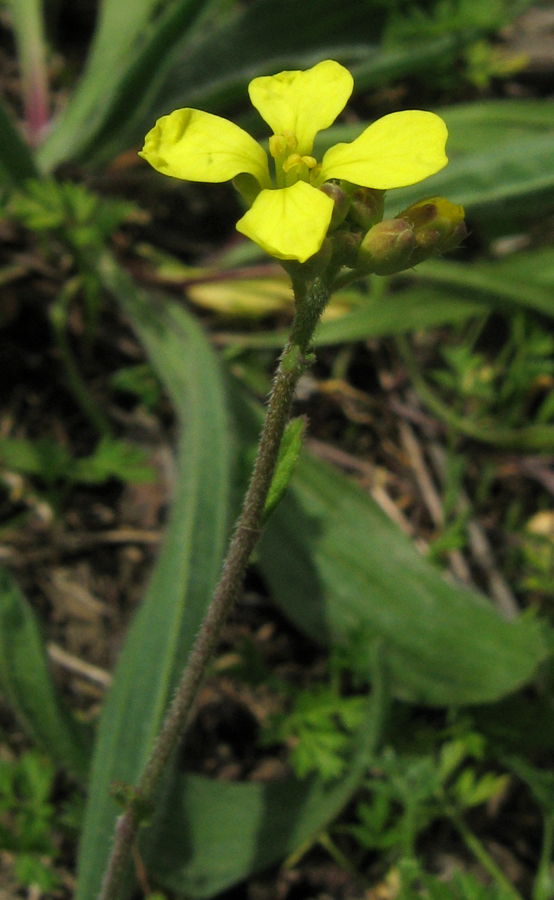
(216, 833)
(397, 313)
(130, 44)
(16, 160)
(164, 629)
(531, 266)
(27, 685)
(388, 63)
(338, 566)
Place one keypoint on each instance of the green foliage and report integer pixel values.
(140, 381)
(513, 387)
(53, 463)
(84, 219)
(27, 817)
(409, 791)
(286, 463)
(335, 563)
(27, 684)
(319, 729)
(460, 886)
(444, 16)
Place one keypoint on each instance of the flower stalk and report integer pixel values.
(311, 296)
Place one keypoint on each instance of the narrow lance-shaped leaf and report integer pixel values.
(286, 463)
(211, 70)
(122, 69)
(164, 629)
(26, 682)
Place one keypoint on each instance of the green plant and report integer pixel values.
(27, 817)
(319, 730)
(331, 559)
(53, 463)
(409, 791)
(513, 386)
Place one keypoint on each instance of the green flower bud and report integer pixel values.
(387, 248)
(341, 201)
(346, 245)
(367, 206)
(438, 225)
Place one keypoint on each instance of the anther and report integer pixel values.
(292, 162)
(278, 145)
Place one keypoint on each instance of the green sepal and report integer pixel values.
(289, 452)
(130, 797)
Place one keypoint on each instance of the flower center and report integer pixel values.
(290, 167)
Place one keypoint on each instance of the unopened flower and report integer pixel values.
(289, 216)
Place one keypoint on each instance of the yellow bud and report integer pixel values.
(438, 225)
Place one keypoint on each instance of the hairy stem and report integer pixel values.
(311, 298)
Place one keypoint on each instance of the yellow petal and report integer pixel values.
(290, 223)
(302, 102)
(198, 146)
(399, 149)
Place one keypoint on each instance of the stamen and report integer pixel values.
(277, 145)
(292, 142)
(314, 173)
(292, 162)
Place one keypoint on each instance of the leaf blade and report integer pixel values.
(27, 683)
(446, 645)
(163, 631)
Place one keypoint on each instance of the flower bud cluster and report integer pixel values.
(363, 240)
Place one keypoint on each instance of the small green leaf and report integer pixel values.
(114, 459)
(27, 684)
(288, 457)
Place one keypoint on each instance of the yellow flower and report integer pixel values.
(289, 216)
